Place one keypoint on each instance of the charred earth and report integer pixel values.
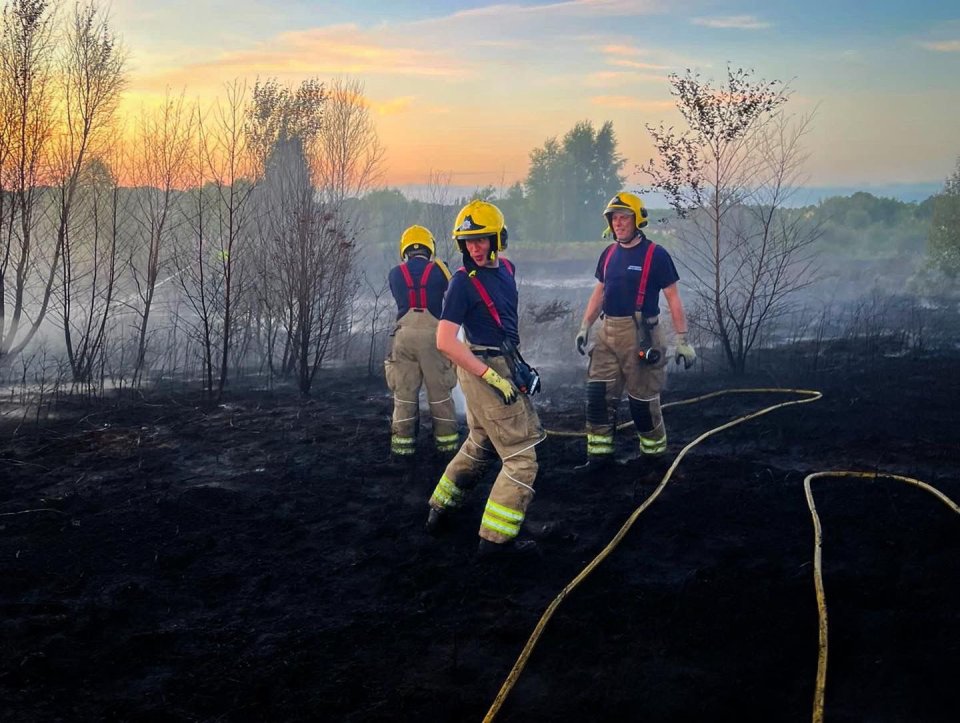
(264, 559)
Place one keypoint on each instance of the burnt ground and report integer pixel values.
(264, 560)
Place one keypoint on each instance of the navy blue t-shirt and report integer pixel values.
(463, 305)
(623, 277)
(436, 286)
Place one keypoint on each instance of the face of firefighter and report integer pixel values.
(624, 225)
(479, 250)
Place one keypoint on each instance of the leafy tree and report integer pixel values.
(569, 181)
(514, 205)
(943, 243)
(869, 227)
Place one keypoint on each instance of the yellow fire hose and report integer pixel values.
(818, 695)
(810, 396)
(514, 675)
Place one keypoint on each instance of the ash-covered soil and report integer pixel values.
(264, 560)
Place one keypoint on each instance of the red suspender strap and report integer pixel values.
(483, 292)
(423, 285)
(647, 263)
(606, 260)
(486, 298)
(412, 290)
(412, 299)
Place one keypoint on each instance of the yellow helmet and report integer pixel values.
(478, 219)
(417, 236)
(626, 201)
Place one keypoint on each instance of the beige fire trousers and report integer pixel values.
(615, 365)
(495, 429)
(414, 361)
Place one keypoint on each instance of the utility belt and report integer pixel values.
(486, 352)
(525, 376)
(649, 321)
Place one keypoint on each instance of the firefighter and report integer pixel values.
(418, 285)
(502, 421)
(630, 349)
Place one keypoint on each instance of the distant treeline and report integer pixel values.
(857, 226)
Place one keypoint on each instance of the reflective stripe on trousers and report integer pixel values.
(615, 364)
(415, 362)
(496, 429)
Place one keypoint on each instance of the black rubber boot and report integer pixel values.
(487, 550)
(436, 521)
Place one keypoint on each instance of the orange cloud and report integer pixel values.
(334, 50)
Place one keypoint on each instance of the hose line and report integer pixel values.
(703, 397)
(819, 692)
(520, 664)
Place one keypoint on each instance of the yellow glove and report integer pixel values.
(582, 339)
(685, 352)
(503, 386)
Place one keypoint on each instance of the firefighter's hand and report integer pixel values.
(582, 339)
(684, 352)
(503, 386)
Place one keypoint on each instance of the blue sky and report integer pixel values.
(471, 88)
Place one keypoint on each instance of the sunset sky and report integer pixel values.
(472, 87)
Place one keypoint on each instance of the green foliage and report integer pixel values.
(867, 227)
(943, 243)
(569, 181)
(861, 226)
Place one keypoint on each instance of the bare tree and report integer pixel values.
(323, 295)
(211, 267)
(282, 125)
(381, 308)
(730, 175)
(349, 158)
(305, 252)
(439, 217)
(196, 270)
(93, 78)
(160, 165)
(308, 281)
(27, 72)
(89, 268)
